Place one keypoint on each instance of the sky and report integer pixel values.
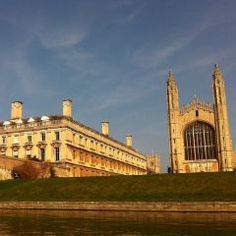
(112, 57)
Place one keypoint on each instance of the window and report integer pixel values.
(42, 154)
(43, 137)
(81, 140)
(28, 154)
(200, 141)
(15, 154)
(16, 139)
(3, 139)
(29, 138)
(57, 134)
(57, 153)
(197, 113)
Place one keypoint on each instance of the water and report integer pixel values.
(115, 223)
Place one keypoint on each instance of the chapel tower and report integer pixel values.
(173, 124)
(224, 142)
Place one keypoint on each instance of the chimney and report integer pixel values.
(67, 108)
(16, 110)
(105, 127)
(129, 140)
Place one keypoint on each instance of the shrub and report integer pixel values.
(31, 170)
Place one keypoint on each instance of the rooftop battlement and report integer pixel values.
(196, 103)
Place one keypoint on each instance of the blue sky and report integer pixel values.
(112, 58)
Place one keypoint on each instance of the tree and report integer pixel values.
(34, 170)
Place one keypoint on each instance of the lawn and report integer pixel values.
(164, 187)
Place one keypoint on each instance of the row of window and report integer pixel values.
(29, 137)
(105, 163)
(92, 144)
(42, 154)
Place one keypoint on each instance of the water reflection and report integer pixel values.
(115, 223)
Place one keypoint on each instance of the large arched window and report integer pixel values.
(199, 141)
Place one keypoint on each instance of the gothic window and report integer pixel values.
(199, 142)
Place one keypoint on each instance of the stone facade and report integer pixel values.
(199, 133)
(67, 143)
(153, 163)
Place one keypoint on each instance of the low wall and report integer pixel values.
(5, 174)
(7, 164)
(122, 206)
(60, 168)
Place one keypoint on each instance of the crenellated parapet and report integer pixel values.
(196, 103)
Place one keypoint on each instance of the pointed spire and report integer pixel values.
(217, 71)
(171, 76)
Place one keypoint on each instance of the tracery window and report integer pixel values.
(199, 141)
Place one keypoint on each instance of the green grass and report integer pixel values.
(165, 187)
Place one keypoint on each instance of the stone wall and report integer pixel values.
(60, 168)
(122, 206)
(7, 164)
(5, 174)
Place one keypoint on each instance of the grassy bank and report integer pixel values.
(178, 187)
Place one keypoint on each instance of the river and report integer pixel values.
(115, 223)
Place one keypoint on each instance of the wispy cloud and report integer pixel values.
(114, 4)
(128, 92)
(122, 96)
(47, 27)
(208, 59)
(131, 15)
(134, 13)
(61, 38)
(28, 78)
(154, 55)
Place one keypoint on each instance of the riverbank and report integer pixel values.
(121, 206)
(202, 187)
